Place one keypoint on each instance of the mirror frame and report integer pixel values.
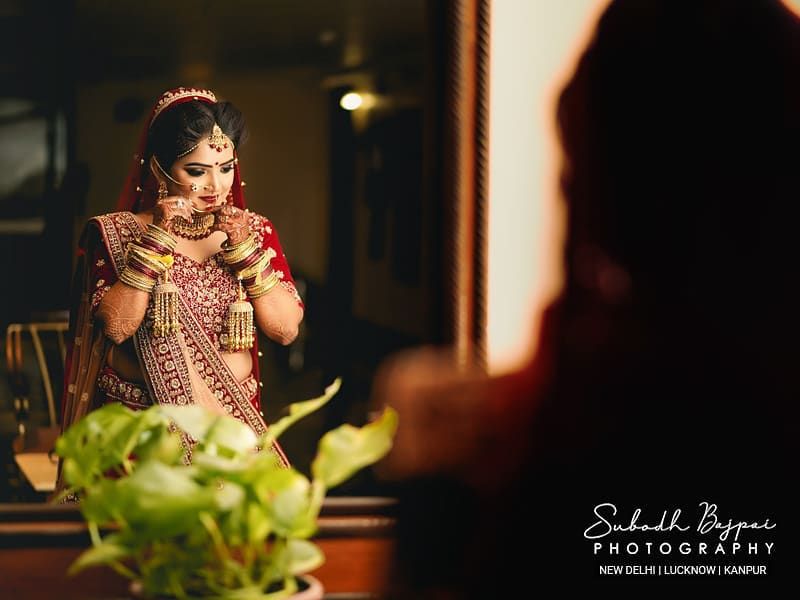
(465, 27)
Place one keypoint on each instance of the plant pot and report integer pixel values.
(310, 589)
(314, 591)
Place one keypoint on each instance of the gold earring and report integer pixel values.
(162, 190)
(239, 323)
(165, 300)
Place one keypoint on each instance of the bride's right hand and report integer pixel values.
(170, 207)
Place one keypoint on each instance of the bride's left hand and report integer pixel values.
(234, 222)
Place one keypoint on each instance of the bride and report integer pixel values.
(168, 290)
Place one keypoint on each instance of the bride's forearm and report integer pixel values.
(278, 315)
(277, 312)
(121, 310)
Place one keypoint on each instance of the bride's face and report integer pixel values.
(210, 171)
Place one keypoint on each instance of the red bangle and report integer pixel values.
(251, 280)
(154, 246)
(248, 261)
(134, 264)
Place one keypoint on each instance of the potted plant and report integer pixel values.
(232, 524)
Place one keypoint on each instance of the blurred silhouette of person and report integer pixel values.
(666, 375)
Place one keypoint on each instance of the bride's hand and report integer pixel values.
(234, 222)
(170, 207)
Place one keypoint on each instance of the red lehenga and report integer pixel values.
(179, 368)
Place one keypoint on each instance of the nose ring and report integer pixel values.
(193, 187)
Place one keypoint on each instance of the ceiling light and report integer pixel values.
(351, 101)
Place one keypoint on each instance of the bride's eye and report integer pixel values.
(227, 169)
(194, 172)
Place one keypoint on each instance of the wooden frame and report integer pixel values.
(465, 147)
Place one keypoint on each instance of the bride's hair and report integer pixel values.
(177, 130)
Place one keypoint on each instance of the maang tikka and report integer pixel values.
(217, 140)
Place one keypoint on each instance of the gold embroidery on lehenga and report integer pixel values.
(130, 394)
(208, 288)
(165, 366)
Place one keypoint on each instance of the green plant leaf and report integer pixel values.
(290, 508)
(107, 440)
(298, 410)
(231, 434)
(163, 446)
(304, 556)
(73, 473)
(100, 502)
(271, 481)
(258, 525)
(159, 501)
(347, 449)
(211, 464)
(193, 418)
(229, 495)
(96, 443)
(103, 554)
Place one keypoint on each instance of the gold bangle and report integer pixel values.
(258, 290)
(242, 248)
(157, 262)
(232, 247)
(256, 268)
(137, 280)
(131, 274)
(158, 267)
(138, 250)
(234, 259)
(240, 252)
(161, 237)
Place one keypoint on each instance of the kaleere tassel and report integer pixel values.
(239, 324)
(165, 299)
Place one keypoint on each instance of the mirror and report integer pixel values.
(377, 207)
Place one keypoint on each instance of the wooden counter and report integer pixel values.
(38, 543)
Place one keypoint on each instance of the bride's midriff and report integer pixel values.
(123, 360)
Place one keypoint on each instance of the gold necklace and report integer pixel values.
(196, 229)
